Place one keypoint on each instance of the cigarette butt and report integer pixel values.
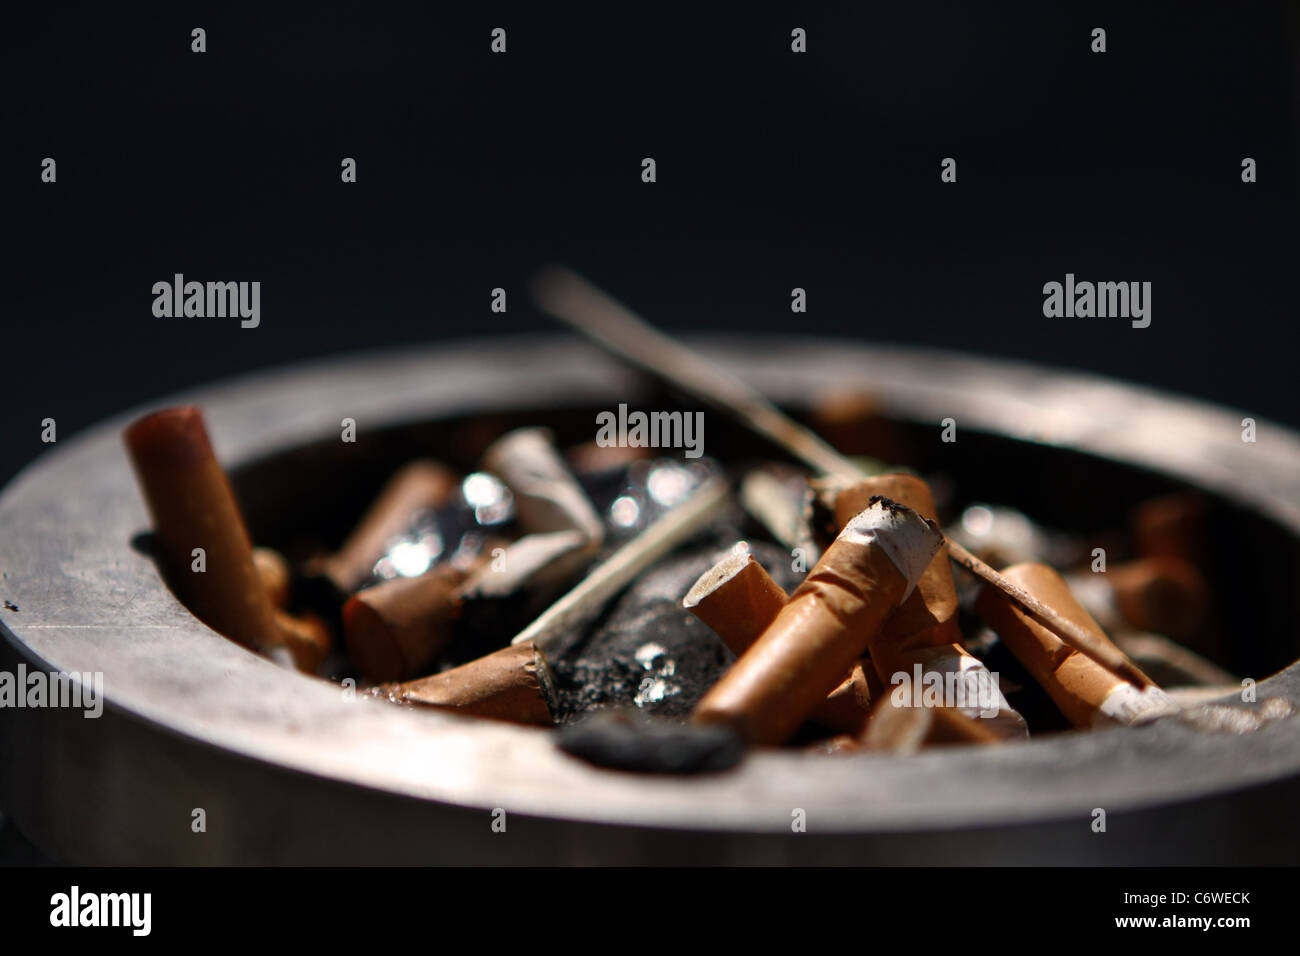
(395, 628)
(308, 639)
(928, 616)
(924, 630)
(1171, 526)
(1165, 595)
(422, 485)
(774, 496)
(513, 684)
(897, 729)
(1086, 693)
(1086, 641)
(593, 458)
(826, 625)
(847, 707)
(960, 680)
(952, 726)
(535, 561)
(273, 569)
(853, 422)
(193, 506)
(738, 599)
(548, 500)
(547, 496)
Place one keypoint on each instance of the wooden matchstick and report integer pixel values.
(576, 302)
(551, 506)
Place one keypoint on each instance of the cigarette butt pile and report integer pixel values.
(487, 594)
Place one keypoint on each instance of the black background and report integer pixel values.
(774, 170)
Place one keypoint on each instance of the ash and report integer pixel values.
(648, 653)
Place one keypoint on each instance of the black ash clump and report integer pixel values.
(632, 741)
(649, 653)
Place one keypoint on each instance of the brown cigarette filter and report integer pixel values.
(897, 729)
(825, 626)
(738, 599)
(512, 684)
(273, 569)
(547, 496)
(422, 485)
(853, 422)
(1165, 595)
(394, 629)
(308, 639)
(193, 506)
(846, 708)
(1086, 693)
(1171, 526)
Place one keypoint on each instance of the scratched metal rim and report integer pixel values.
(287, 770)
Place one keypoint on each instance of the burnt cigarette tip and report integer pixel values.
(908, 539)
(545, 680)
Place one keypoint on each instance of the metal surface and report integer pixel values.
(289, 769)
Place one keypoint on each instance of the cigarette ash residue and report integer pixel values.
(649, 653)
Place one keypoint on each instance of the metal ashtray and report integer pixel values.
(287, 769)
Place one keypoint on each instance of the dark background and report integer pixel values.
(775, 170)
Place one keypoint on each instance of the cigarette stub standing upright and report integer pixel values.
(737, 598)
(194, 508)
(872, 566)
